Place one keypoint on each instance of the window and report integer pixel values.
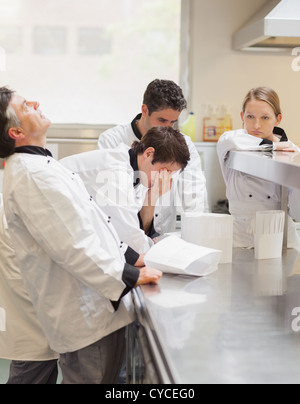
(94, 41)
(50, 41)
(88, 61)
(10, 39)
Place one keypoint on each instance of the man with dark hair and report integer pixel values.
(168, 143)
(69, 254)
(118, 179)
(161, 95)
(163, 103)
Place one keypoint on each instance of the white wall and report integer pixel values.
(220, 75)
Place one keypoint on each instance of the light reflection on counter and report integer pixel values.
(173, 309)
(234, 326)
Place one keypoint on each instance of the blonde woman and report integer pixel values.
(261, 115)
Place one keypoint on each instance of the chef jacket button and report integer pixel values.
(269, 197)
(156, 215)
(250, 196)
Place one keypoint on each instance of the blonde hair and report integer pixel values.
(264, 94)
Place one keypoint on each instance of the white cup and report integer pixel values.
(268, 234)
(209, 230)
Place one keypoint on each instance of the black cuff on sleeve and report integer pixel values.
(131, 256)
(130, 278)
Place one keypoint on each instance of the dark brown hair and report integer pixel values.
(169, 145)
(164, 94)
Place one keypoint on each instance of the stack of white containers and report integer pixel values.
(209, 230)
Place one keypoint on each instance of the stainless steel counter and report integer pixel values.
(238, 325)
(280, 167)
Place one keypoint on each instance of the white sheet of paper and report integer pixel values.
(176, 256)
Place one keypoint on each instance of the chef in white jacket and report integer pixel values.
(70, 257)
(261, 116)
(109, 178)
(119, 179)
(163, 102)
(21, 336)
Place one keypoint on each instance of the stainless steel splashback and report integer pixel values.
(65, 140)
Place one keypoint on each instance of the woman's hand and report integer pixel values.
(285, 146)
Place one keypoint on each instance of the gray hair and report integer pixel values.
(13, 120)
(8, 119)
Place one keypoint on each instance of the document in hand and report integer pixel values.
(176, 256)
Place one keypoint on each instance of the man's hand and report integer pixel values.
(140, 262)
(148, 275)
(162, 183)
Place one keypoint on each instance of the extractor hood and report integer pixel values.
(276, 27)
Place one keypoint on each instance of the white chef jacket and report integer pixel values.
(188, 192)
(248, 194)
(70, 257)
(109, 177)
(21, 335)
